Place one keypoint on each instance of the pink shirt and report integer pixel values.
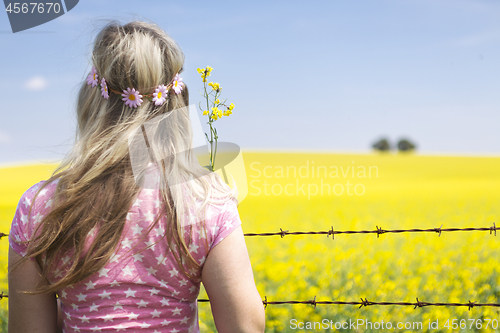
(143, 292)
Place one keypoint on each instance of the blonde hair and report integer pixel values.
(96, 183)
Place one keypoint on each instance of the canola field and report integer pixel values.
(314, 192)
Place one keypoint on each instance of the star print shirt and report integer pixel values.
(137, 292)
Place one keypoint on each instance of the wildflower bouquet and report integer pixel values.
(211, 93)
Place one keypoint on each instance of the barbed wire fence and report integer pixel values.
(364, 302)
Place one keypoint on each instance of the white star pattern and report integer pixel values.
(108, 317)
(159, 231)
(130, 293)
(149, 216)
(66, 259)
(142, 303)
(151, 270)
(24, 219)
(148, 192)
(137, 229)
(215, 229)
(127, 243)
(120, 328)
(127, 270)
(114, 257)
(228, 224)
(105, 294)
(103, 272)
(58, 273)
(132, 316)
(164, 287)
(193, 248)
(93, 307)
(150, 244)
(161, 259)
(154, 291)
(90, 285)
(173, 272)
(138, 257)
(49, 203)
(37, 218)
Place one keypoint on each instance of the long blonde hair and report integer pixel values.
(96, 185)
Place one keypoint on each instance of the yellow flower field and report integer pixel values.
(313, 192)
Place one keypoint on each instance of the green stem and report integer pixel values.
(211, 128)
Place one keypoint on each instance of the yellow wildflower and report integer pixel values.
(231, 106)
(214, 85)
(217, 101)
(205, 112)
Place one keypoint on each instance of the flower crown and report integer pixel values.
(132, 97)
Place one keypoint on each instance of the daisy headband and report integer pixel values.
(132, 97)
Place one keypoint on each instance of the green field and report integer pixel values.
(313, 192)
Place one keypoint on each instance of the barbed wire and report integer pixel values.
(364, 302)
(377, 231)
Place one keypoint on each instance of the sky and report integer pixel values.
(303, 76)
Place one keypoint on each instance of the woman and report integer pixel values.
(101, 247)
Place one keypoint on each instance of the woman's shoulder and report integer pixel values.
(36, 195)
